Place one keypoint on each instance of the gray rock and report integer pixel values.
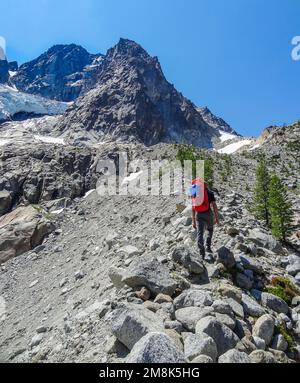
(197, 298)
(5, 202)
(264, 328)
(259, 343)
(222, 307)
(265, 240)
(199, 344)
(36, 340)
(226, 257)
(22, 230)
(189, 260)
(293, 269)
(174, 325)
(279, 343)
(260, 356)
(251, 307)
(130, 323)
(251, 264)
(202, 359)
(296, 301)
(236, 307)
(155, 348)
(234, 356)
(228, 320)
(274, 303)
(189, 316)
(243, 281)
(116, 275)
(151, 274)
(230, 292)
(225, 338)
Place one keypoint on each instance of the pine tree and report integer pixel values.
(281, 212)
(261, 193)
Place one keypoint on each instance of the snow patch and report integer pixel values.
(89, 193)
(12, 102)
(132, 177)
(255, 147)
(226, 136)
(232, 148)
(50, 140)
(12, 73)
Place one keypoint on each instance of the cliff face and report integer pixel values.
(132, 101)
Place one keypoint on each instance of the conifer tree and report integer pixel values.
(280, 208)
(261, 193)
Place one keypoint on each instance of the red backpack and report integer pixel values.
(201, 201)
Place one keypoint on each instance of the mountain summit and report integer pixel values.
(133, 101)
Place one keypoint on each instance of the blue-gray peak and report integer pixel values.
(62, 73)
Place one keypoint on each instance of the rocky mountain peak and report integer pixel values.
(57, 74)
(133, 101)
(215, 122)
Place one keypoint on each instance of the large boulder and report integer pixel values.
(199, 344)
(265, 240)
(189, 260)
(155, 347)
(5, 202)
(264, 328)
(193, 298)
(224, 337)
(234, 356)
(151, 274)
(130, 323)
(274, 303)
(251, 307)
(22, 230)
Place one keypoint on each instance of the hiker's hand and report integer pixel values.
(194, 224)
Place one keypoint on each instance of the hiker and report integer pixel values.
(203, 217)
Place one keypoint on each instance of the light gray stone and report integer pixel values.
(189, 260)
(260, 356)
(196, 298)
(155, 348)
(202, 359)
(131, 322)
(236, 307)
(234, 356)
(264, 328)
(279, 343)
(259, 343)
(189, 316)
(265, 240)
(151, 274)
(199, 344)
(251, 307)
(225, 338)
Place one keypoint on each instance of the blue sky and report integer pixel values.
(233, 56)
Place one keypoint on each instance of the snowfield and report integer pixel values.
(50, 140)
(12, 102)
(232, 148)
(226, 136)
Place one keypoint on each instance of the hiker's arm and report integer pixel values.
(216, 213)
(194, 218)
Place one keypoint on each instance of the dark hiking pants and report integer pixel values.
(204, 221)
